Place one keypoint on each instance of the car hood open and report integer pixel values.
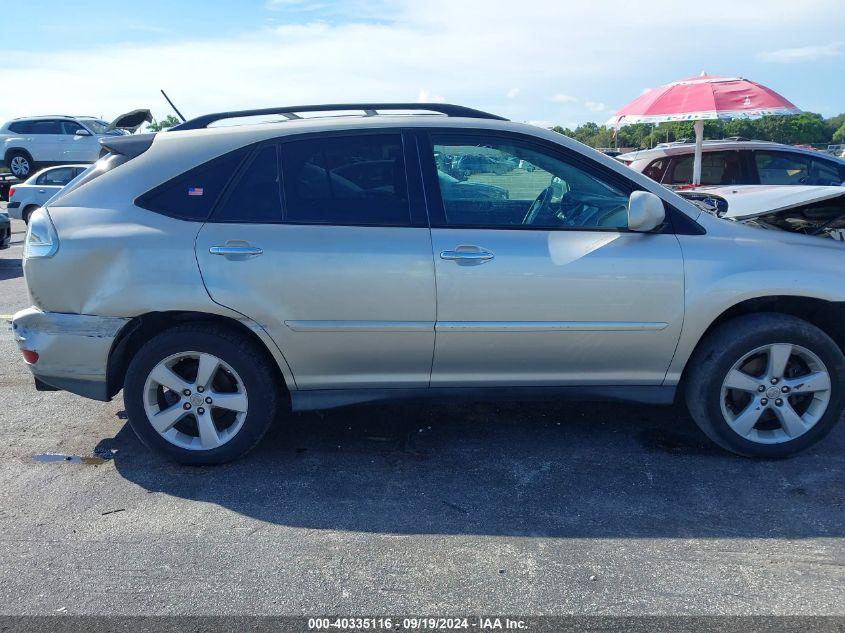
(813, 210)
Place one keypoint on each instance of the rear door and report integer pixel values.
(323, 240)
(50, 182)
(49, 142)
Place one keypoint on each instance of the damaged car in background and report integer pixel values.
(811, 210)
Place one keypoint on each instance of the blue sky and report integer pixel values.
(545, 61)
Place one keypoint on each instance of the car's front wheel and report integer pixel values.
(766, 385)
(200, 394)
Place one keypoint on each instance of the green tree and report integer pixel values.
(839, 135)
(166, 122)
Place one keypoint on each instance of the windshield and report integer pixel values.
(97, 126)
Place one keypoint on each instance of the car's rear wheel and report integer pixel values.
(200, 394)
(27, 213)
(766, 385)
(20, 164)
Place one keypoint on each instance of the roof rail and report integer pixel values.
(370, 109)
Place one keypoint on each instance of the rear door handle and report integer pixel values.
(247, 251)
(475, 255)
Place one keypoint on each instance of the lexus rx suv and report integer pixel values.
(221, 274)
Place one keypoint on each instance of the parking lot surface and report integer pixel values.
(439, 508)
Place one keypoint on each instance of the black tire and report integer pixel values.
(27, 212)
(252, 365)
(727, 345)
(25, 160)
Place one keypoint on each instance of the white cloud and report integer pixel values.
(405, 50)
(426, 97)
(595, 106)
(512, 93)
(811, 53)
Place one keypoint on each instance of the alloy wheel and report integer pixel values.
(19, 166)
(195, 401)
(775, 393)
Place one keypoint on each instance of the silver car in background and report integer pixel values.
(216, 273)
(26, 197)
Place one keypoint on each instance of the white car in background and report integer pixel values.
(737, 162)
(795, 208)
(29, 143)
(35, 192)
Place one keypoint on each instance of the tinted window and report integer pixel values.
(256, 196)
(70, 127)
(345, 180)
(782, 168)
(656, 169)
(20, 127)
(52, 126)
(57, 177)
(502, 183)
(192, 195)
(717, 168)
(826, 172)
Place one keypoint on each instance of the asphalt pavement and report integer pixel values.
(441, 509)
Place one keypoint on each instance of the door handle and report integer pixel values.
(476, 255)
(248, 251)
(42, 191)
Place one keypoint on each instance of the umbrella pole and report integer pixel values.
(699, 140)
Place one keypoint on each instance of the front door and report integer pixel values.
(539, 281)
(329, 259)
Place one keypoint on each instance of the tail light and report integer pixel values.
(29, 356)
(11, 192)
(41, 237)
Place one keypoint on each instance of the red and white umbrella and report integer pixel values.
(703, 98)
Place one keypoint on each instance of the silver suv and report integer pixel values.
(219, 273)
(737, 162)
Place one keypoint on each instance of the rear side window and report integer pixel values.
(717, 168)
(656, 169)
(192, 195)
(57, 177)
(346, 180)
(256, 197)
(51, 126)
(20, 127)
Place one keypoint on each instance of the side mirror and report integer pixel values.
(645, 212)
(82, 132)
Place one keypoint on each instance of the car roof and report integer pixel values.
(42, 117)
(681, 149)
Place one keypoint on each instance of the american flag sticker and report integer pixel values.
(194, 191)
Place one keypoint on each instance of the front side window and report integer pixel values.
(782, 168)
(57, 177)
(500, 183)
(717, 168)
(345, 180)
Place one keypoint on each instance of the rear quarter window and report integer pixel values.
(193, 194)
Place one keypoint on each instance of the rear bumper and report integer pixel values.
(73, 349)
(14, 210)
